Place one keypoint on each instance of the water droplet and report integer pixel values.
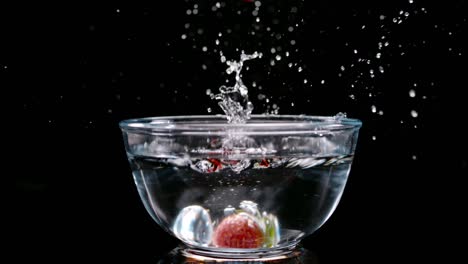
(378, 55)
(257, 19)
(204, 48)
(273, 50)
(290, 29)
(278, 57)
(299, 69)
(118, 10)
(374, 138)
(305, 80)
(218, 5)
(290, 65)
(183, 36)
(381, 69)
(342, 68)
(293, 42)
(217, 42)
(355, 51)
(292, 104)
(414, 113)
(410, 1)
(208, 109)
(258, 3)
(381, 17)
(412, 93)
(373, 109)
(204, 67)
(406, 14)
(352, 96)
(189, 12)
(380, 112)
(414, 157)
(322, 82)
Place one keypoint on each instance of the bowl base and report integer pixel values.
(204, 255)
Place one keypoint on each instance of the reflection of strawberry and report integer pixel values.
(216, 165)
(238, 231)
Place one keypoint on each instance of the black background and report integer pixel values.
(75, 71)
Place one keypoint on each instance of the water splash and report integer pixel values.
(235, 100)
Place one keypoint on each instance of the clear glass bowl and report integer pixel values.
(240, 190)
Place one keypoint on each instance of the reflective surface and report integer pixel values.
(241, 190)
(182, 255)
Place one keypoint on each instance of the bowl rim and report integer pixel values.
(256, 125)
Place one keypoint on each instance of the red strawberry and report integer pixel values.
(238, 231)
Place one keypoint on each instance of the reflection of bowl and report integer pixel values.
(240, 190)
(183, 255)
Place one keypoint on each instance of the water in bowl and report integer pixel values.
(284, 197)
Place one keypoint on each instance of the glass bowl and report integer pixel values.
(240, 190)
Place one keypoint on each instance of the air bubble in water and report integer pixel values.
(412, 93)
(373, 109)
(299, 69)
(194, 224)
(414, 113)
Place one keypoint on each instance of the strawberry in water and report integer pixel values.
(238, 230)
